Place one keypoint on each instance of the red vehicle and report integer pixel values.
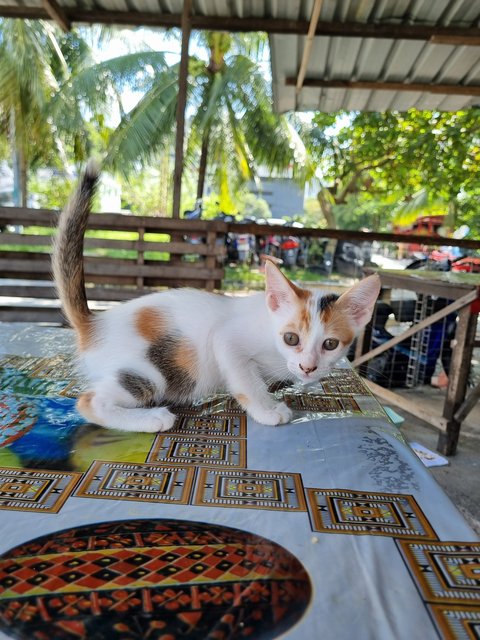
(469, 264)
(423, 226)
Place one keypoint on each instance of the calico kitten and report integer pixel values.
(178, 345)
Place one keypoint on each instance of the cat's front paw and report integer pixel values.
(157, 419)
(278, 414)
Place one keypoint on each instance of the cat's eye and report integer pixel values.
(291, 339)
(330, 344)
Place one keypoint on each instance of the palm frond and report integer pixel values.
(147, 127)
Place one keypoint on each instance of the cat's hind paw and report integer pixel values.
(278, 414)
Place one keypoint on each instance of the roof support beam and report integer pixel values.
(422, 87)
(56, 13)
(436, 34)
(181, 104)
(317, 7)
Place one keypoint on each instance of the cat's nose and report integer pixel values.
(307, 369)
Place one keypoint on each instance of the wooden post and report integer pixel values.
(181, 103)
(457, 379)
(468, 404)
(211, 259)
(140, 257)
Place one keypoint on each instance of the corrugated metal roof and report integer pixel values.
(337, 58)
(380, 60)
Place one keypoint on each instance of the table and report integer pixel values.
(461, 290)
(328, 527)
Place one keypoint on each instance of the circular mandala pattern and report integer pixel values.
(155, 579)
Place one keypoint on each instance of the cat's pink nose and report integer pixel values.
(307, 369)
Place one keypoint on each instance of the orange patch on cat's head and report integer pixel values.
(305, 315)
(302, 320)
(304, 295)
(150, 323)
(337, 324)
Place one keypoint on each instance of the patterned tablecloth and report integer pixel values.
(328, 527)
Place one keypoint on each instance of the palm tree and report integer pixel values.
(232, 130)
(93, 92)
(28, 49)
(50, 86)
(54, 97)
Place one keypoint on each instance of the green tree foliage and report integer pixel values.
(252, 206)
(232, 130)
(51, 193)
(45, 121)
(144, 192)
(377, 161)
(29, 52)
(55, 101)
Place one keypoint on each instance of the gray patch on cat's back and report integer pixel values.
(388, 470)
(326, 301)
(141, 388)
(162, 354)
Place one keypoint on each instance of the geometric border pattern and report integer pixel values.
(140, 482)
(33, 490)
(219, 404)
(248, 489)
(366, 513)
(217, 452)
(341, 382)
(455, 622)
(447, 572)
(320, 403)
(447, 575)
(215, 425)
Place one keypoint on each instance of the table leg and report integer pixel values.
(458, 379)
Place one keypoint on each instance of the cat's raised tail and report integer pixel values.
(67, 257)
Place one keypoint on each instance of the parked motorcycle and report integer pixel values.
(288, 248)
(351, 257)
(290, 251)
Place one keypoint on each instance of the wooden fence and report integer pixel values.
(147, 253)
(155, 253)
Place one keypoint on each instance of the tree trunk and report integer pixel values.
(451, 217)
(202, 170)
(22, 175)
(19, 164)
(327, 210)
(165, 174)
(181, 106)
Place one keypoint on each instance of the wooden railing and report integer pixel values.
(146, 253)
(155, 253)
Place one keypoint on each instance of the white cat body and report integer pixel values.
(179, 345)
(212, 322)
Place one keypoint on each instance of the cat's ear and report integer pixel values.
(359, 301)
(279, 291)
